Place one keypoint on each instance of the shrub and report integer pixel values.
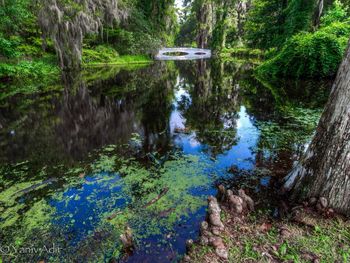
(309, 54)
(133, 43)
(337, 13)
(8, 47)
(100, 54)
(312, 54)
(29, 70)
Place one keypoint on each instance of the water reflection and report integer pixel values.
(112, 140)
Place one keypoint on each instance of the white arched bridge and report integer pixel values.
(183, 53)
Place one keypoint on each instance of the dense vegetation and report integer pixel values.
(92, 152)
(34, 33)
(299, 38)
(313, 54)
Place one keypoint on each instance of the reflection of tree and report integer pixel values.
(286, 113)
(214, 107)
(67, 127)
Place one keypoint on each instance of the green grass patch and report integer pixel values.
(105, 55)
(124, 60)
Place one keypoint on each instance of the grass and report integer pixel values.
(106, 55)
(259, 239)
(122, 60)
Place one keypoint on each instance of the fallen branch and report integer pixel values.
(162, 193)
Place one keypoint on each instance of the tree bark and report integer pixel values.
(324, 170)
(318, 13)
(204, 18)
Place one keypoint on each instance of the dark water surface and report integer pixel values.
(81, 163)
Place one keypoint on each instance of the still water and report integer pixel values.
(141, 147)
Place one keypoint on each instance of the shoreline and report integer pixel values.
(311, 232)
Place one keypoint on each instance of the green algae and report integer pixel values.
(179, 176)
(8, 196)
(138, 184)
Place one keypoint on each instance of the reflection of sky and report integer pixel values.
(176, 119)
(80, 208)
(240, 155)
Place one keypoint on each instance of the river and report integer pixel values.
(141, 147)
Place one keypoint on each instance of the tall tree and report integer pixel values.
(222, 10)
(162, 13)
(68, 21)
(204, 14)
(324, 170)
(262, 32)
(318, 13)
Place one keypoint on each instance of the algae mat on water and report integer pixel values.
(96, 202)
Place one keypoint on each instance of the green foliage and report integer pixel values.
(150, 25)
(8, 47)
(242, 52)
(132, 43)
(313, 54)
(162, 17)
(262, 32)
(310, 54)
(298, 17)
(186, 34)
(29, 69)
(271, 23)
(16, 17)
(107, 55)
(17, 27)
(337, 13)
(103, 54)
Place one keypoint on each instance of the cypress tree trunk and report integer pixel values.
(324, 170)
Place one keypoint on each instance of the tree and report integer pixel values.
(204, 14)
(261, 32)
(17, 22)
(324, 170)
(162, 15)
(68, 21)
(222, 9)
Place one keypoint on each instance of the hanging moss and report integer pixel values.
(67, 22)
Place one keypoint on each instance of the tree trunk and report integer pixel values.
(324, 169)
(204, 24)
(318, 13)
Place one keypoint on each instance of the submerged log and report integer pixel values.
(162, 193)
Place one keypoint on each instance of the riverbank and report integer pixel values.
(308, 233)
(46, 69)
(123, 60)
(37, 75)
(242, 52)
